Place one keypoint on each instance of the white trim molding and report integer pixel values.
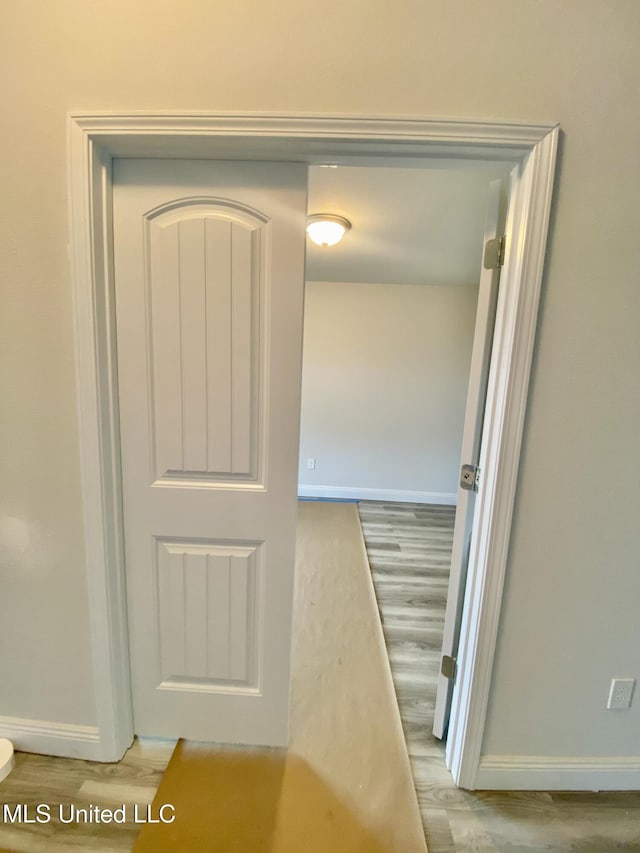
(48, 738)
(511, 354)
(389, 495)
(558, 773)
(94, 140)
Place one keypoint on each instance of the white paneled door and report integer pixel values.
(209, 272)
(470, 455)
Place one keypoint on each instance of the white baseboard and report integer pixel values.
(70, 741)
(390, 495)
(558, 773)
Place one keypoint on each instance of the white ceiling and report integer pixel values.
(409, 225)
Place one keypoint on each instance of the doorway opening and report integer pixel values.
(95, 140)
(390, 320)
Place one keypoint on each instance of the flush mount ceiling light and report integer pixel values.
(325, 229)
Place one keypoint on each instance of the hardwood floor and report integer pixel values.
(409, 548)
(345, 784)
(66, 781)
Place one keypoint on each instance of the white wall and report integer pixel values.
(569, 619)
(384, 383)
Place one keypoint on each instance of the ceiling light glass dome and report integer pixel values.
(325, 229)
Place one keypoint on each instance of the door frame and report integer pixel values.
(94, 140)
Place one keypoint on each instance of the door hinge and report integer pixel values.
(494, 253)
(448, 667)
(470, 478)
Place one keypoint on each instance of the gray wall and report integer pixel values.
(384, 383)
(570, 611)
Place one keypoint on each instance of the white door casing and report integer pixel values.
(209, 279)
(96, 138)
(470, 454)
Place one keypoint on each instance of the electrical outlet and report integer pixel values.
(311, 463)
(620, 694)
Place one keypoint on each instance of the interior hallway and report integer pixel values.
(409, 550)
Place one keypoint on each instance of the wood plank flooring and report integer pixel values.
(345, 784)
(65, 781)
(409, 547)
